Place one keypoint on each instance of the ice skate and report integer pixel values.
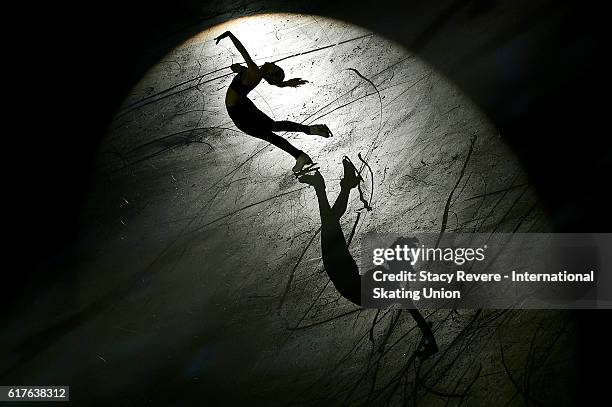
(320, 130)
(302, 164)
(351, 175)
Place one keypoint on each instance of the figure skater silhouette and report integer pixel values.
(253, 121)
(337, 259)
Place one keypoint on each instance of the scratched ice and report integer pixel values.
(211, 258)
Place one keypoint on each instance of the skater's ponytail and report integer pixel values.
(273, 74)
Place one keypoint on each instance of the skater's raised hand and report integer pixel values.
(239, 47)
(224, 35)
(293, 83)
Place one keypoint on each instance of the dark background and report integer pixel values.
(80, 59)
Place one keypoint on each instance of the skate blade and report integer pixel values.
(306, 170)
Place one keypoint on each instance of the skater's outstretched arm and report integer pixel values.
(292, 83)
(239, 47)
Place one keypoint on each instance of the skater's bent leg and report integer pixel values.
(278, 141)
(285, 125)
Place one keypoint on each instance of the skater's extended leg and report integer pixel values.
(285, 125)
(278, 141)
(301, 158)
(316, 129)
(250, 119)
